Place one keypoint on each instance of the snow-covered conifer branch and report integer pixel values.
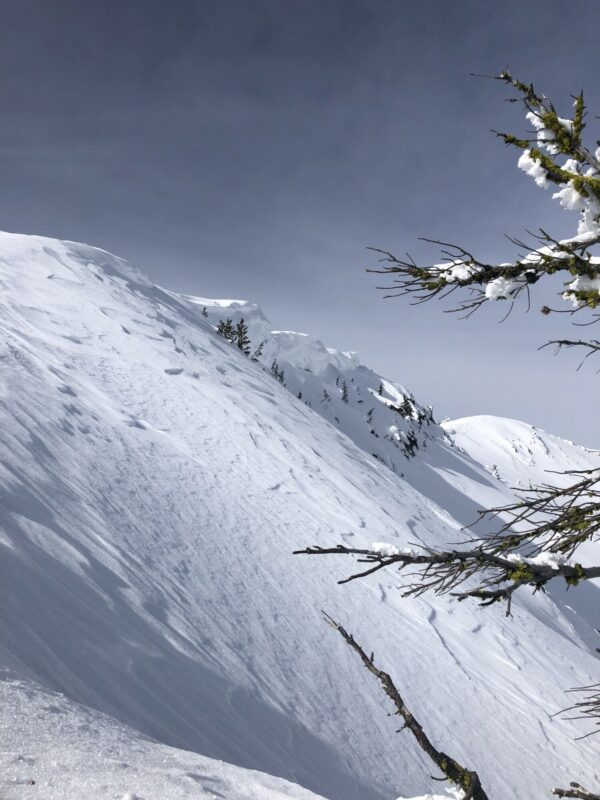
(556, 135)
(543, 528)
(555, 156)
(534, 546)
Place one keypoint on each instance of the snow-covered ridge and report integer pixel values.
(385, 420)
(382, 417)
(153, 485)
(517, 453)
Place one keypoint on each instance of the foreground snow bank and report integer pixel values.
(58, 750)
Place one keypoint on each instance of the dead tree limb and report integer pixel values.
(588, 708)
(577, 791)
(592, 347)
(466, 779)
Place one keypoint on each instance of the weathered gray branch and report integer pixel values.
(444, 571)
(588, 708)
(466, 779)
(592, 346)
(577, 791)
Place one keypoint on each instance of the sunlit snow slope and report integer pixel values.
(154, 485)
(517, 453)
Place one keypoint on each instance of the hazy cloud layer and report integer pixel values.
(255, 148)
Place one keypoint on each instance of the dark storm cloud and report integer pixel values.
(255, 148)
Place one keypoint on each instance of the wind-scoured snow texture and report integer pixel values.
(154, 483)
(59, 750)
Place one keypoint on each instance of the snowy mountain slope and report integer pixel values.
(154, 483)
(381, 417)
(517, 453)
(385, 420)
(69, 752)
(402, 434)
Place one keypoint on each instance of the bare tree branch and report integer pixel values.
(577, 791)
(464, 778)
(588, 708)
(549, 518)
(592, 346)
(444, 571)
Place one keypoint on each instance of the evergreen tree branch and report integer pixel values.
(466, 780)
(460, 269)
(445, 571)
(566, 138)
(556, 155)
(546, 526)
(548, 518)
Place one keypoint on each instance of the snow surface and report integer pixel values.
(58, 750)
(154, 485)
(518, 453)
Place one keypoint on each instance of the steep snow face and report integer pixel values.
(385, 421)
(154, 483)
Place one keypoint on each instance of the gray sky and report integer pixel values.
(254, 148)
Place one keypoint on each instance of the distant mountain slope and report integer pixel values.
(153, 485)
(517, 453)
